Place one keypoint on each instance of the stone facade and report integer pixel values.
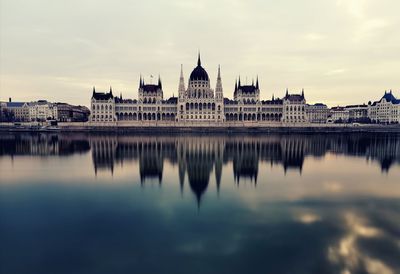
(71, 113)
(339, 115)
(294, 109)
(42, 110)
(317, 113)
(19, 110)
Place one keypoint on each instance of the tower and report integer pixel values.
(219, 98)
(181, 97)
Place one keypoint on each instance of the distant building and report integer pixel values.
(103, 107)
(42, 110)
(71, 113)
(14, 111)
(358, 113)
(294, 108)
(386, 110)
(3, 109)
(317, 113)
(339, 114)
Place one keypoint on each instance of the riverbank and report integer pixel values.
(226, 128)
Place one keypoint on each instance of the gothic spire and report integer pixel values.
(181, 88)
(257, 87)
(218, 89)
(94, 90)
(159, 82)
(239, 82)
(181, 77)
(110, 90)
(198, 60)
(236, 87)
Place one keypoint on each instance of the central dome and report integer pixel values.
(199, 73)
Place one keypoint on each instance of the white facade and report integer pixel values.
(339, 114)
(102, 107)
(317, 113)
(42, 111)
(294, 108)
(386, 110)
(199, 102)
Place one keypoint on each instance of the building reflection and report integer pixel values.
(204, 158)
(201, 157)
(42, 144)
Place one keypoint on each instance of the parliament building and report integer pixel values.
(197, 104)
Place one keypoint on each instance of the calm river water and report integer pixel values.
(83, 203)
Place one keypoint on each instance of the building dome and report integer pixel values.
(199, 73)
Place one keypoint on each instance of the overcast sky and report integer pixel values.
(339, 51)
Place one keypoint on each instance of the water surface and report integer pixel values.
(85, 203)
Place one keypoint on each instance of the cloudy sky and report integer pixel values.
(339, 51)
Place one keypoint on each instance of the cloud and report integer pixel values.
(308, 218)
(347, 253)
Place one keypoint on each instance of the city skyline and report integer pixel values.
(344, 54)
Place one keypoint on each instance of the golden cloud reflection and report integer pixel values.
(347, 253)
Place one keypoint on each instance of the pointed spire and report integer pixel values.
(287, 92)
(140, 81)
(181, 88)
(110, 90)
(218, 89)
(198, 60)
(239, 82)
(159, 82)
(94, 90)
(302, 92)
(236, 87)
(181, 72)
(257, 87)
(273, 97)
